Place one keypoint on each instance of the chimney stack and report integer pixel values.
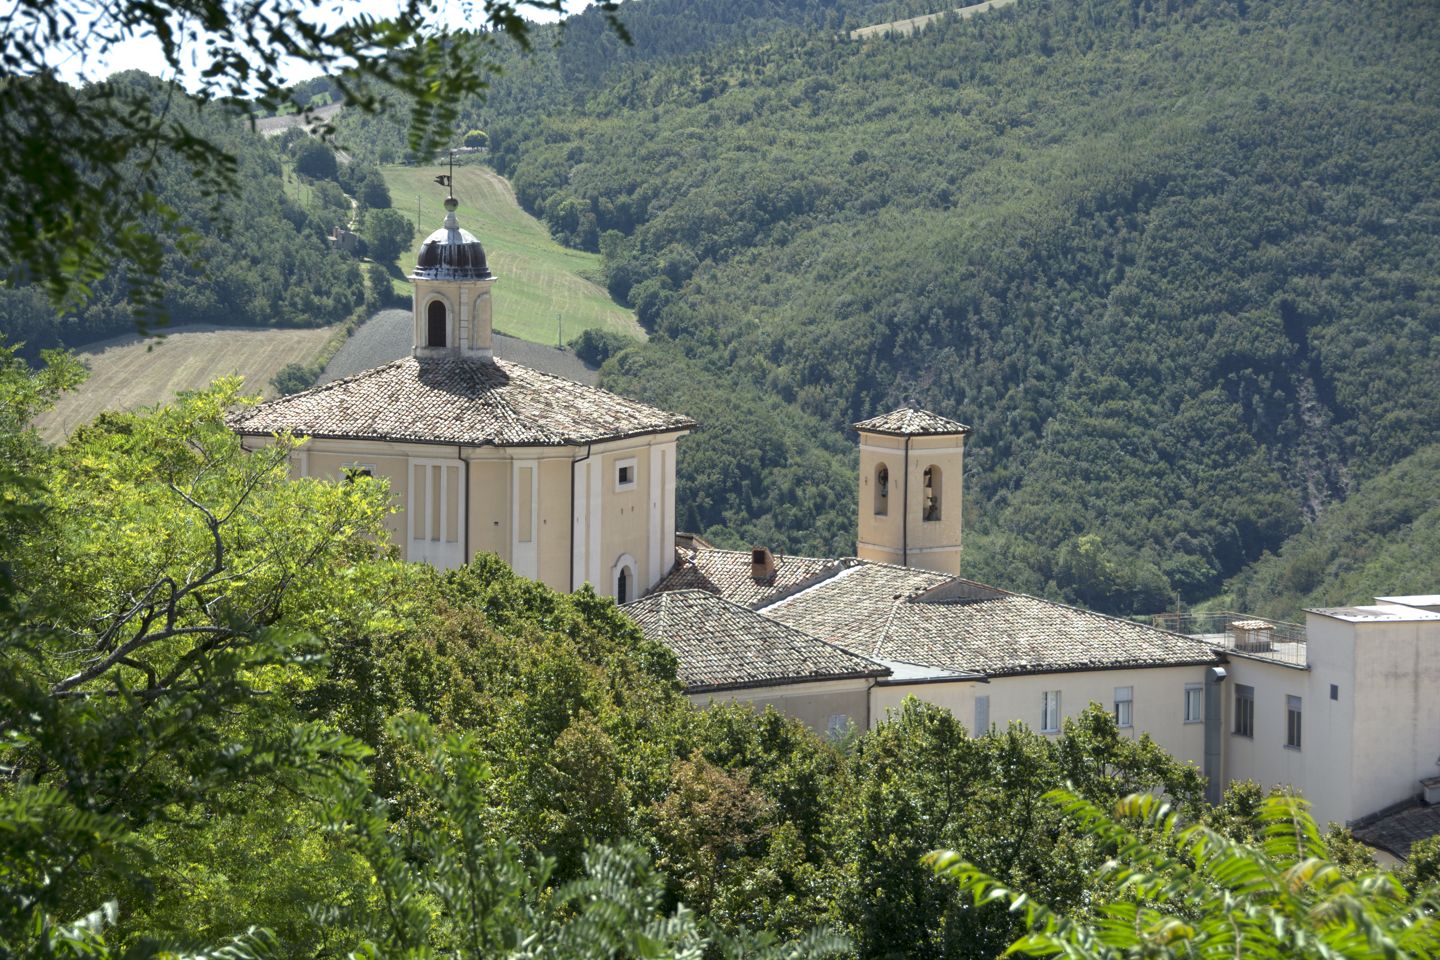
(762, 564)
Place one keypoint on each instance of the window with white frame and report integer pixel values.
(1194, 703)
(1244, 710)
(1124, 706)
(1050, 712)
(837, 726)
(625, 474)
(1292, 722)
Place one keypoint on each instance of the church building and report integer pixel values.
(567, 483)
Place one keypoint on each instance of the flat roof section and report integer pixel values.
(1377, 613)
(1425, 601)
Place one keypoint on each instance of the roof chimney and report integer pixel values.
(762, 563)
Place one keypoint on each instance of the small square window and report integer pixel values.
(837, 726)
(1194, 703)
(625, 474)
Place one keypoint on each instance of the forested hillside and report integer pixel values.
(256, 257)
(1383, 541)
(1176, 264)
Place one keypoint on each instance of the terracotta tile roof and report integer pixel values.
(458, 400)
(724, 646)
(1398, 830)
(699, 566)
(901, 614)
(908, 421)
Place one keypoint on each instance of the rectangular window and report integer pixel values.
(1292, 722)
(1050, 712)
(625, 474)
(1244, 710)
(1334, 691)
(1124, 706)
(982, 716)
(354, 471)
(1194, 703)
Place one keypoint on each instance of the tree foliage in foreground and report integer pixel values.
(1172, 890)
(232, 721)
(174, 767)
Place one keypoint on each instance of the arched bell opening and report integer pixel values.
(437, 320)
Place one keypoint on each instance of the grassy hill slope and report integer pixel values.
(129, 372)
(540, 280)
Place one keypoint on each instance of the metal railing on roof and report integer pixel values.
(1241, 633)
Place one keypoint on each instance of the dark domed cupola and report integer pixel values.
(452, 293)
(451, 253)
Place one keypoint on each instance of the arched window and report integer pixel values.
(624, 579)
(882, 490)
(435, 324)
(932, 493)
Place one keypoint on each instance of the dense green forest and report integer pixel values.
(1176, 264)
(256, 257)
(1383, 541)
(234, 723)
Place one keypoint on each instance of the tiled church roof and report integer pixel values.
(458, 400)
(908, 421)
(723, 646)
(727, 573)
(915, 616)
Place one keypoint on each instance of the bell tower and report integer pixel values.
(452, 292)
(912, 469)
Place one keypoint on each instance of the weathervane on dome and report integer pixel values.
(447, 180)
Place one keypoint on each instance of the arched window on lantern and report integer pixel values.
(882, 490)
(932, 493)
(436, 322)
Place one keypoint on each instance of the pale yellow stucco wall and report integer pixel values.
(468, 310)
(332, 466)
(554, 527)
(814, 704)
(637, 522)
(489, 516)
(1159, 701)
(626, 518)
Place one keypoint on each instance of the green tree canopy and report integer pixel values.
(1173, 890)
(389, 234)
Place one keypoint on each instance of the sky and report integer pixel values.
(143, 53)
